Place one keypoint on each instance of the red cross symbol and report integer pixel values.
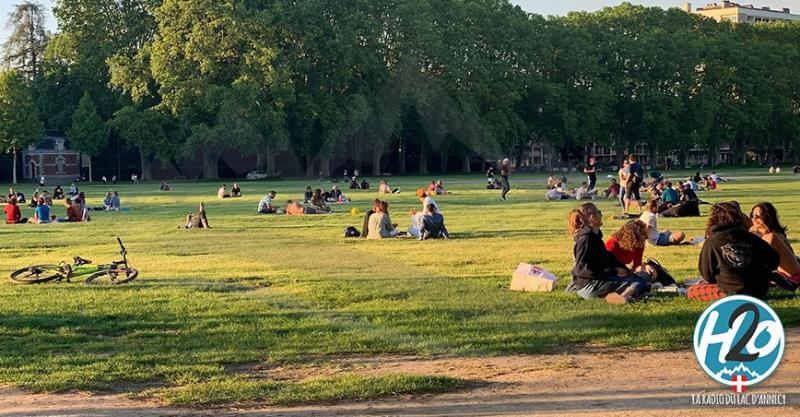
(738, 383)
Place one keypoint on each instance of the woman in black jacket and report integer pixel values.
(733, 260)
(597, 272)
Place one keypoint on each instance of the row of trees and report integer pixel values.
(414, 79)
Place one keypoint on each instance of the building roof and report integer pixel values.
(730, 4)
(48, 142)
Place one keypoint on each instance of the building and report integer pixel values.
(51, 157)
(738, 13)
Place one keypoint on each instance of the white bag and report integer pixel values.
(532, 278)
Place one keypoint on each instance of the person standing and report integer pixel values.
(505, 172)
(591, 173)
(635, 176)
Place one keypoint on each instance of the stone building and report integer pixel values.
(51, 157)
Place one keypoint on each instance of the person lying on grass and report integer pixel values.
(767, 226)
(265, 205)
(597, 273)
(627, 245)
(433, 225)
(198, 220)
(654, 236)
(733, 260)
(380, 224)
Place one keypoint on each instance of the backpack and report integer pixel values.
(351, 231)
(637, 173)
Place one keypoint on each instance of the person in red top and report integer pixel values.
(13, 215)
(627, 244)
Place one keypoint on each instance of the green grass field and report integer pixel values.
(292, 290)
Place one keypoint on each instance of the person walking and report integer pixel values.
(591, 173)
(505, 172)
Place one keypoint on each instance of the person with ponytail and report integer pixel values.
(597, 273)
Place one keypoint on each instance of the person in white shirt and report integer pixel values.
(654, 236)
(265, 205)
(426, 200)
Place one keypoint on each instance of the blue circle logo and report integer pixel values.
(739, 341)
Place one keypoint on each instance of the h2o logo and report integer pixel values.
(739, 341)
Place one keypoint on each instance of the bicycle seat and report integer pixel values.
(80, 261)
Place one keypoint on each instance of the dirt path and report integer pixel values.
(615, 382)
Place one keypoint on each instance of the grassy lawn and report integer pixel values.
(292, 290)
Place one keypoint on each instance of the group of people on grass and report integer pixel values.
(42, 203)
(741, 255)
(425, 224)
(223, 191)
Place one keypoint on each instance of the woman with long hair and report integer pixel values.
(733, 260)
(627, 244)
(597, 273)
(767, 226)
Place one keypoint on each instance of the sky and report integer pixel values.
(543, 7)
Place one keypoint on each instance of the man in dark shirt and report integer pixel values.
(591, 173)
(433, 225)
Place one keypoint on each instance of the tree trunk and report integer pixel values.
(14, 165)
(309, 167)
(270, 161)
(402, 157)
(147, 166)
(423, 159)
(261, 162)
(210, 166)
(743, 156)
(377, 155)
(90, 169)
(619, 149)
(357, 154)
(443, 162)
(325, 167)
(465, 168)
(683, 158)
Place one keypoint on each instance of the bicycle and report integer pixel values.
(118, 272)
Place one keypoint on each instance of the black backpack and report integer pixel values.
(351, 231)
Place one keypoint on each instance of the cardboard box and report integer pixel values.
(531, 278)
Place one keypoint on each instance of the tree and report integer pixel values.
(24, 48)
(88, 134)
(19, 122)
(147, 130)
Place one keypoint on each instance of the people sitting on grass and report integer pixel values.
(223, 192)
(265, 206)
(654, 236)
(433, 225)
(613, 190)
(107, 201)
(34, 199)
(596, 272)
(335, 196)
(236, 191)
(319, 204)
(767, 226)
(370, 212)
(74, 211)
(669, 195)
(494, 184)
(584, 193)
(733, 260)
(16, 195)
(711, 185)
(13, 213)
(41, 215)
(58, 193)
(440, 188)
(73, 190)
(555, 193)
(384, 188)
(627, 244)
(354, 185)
(116, 203)
(165, 187)
(380, 224)
(688, 206)
(364, 185)
(48, 198)
(426, 200)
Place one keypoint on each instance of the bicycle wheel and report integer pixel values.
(36, 274)
(115, 277)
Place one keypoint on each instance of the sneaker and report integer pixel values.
(662, 275)
(614, 298)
